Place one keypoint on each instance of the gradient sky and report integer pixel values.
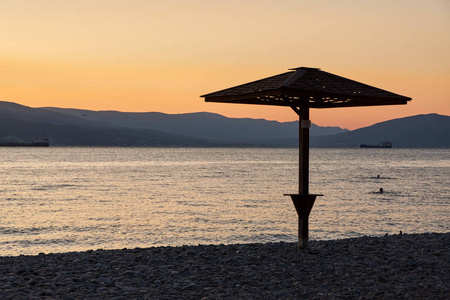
(140, 56)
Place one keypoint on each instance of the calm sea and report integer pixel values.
(75, 199)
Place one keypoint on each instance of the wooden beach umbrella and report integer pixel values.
(301, 89)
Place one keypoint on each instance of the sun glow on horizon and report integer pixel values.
(140, 56)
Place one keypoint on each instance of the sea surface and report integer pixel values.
(76, 199)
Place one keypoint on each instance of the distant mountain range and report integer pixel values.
(420, 131)
(75, 127)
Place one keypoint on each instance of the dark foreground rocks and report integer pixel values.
(393, 267)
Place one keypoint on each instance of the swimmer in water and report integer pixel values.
(381, 190)
(378, 176)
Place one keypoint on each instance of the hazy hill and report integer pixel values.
(19, 112)
(67, 135)
(74, 127)
(199, 125)
(420, 131)
(70, 127)
(22, 123)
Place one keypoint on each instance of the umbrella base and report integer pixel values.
(303, 205)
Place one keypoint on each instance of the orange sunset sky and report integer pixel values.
(141, 56)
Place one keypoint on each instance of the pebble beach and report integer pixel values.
(404, 266)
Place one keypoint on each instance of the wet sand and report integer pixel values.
(408, 266)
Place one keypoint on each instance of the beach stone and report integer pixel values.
(360, 268)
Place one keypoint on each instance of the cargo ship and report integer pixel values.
(39, 142)
(381, 145)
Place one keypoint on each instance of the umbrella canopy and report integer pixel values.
(319, 89)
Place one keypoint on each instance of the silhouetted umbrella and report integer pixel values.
(301, 89)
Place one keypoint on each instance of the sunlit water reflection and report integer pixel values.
(74, 199)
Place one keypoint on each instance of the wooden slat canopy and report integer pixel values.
(319, 88)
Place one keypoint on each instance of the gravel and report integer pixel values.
(405, 266)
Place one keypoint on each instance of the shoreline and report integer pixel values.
(410, 266)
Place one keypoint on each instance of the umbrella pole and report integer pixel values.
(303, 150)
(303, 201)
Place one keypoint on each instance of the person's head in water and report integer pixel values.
(381, 190)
